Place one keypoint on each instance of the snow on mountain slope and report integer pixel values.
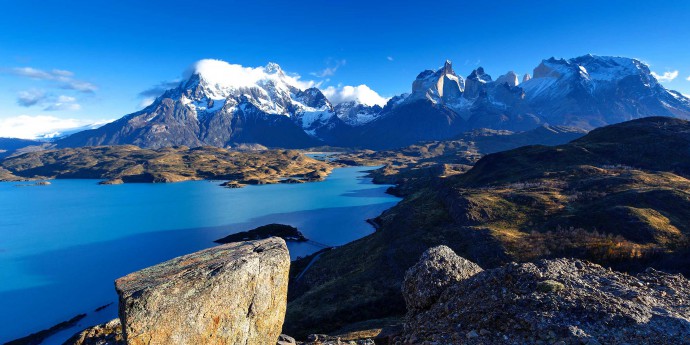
(356, 114)
(214, 86)
(591, 91)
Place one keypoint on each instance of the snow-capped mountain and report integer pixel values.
(355, 113)
(592, 91)
(584, 92)
(222, 104)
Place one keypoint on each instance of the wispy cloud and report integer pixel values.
(63, 103)
(49, 102)
(688, 78)
(31, 97)
(32, 127)
(63, 78)
(330, 70)
(389, 58)
(158, 89)
(472, 63)
(666, 77)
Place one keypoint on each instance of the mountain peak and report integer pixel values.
(448, 68)
(592, 67)
(479, 75)
(510, 78)
(272, 68)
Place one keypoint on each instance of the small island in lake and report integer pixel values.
(286, 232)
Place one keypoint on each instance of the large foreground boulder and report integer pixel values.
(230, 294)
(558, 301)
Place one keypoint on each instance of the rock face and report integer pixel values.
(438, 268)
(553, 301)
(230, 294)
(510, 78)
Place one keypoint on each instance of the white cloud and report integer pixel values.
(231, 75)
(667, 76)
(362, 94)
(81, 86)
(390, 58)
(63, 73)
(688, 78)
(66, 99)
(62, 77)
(31, 127)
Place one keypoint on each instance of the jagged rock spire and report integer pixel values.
(448, 68)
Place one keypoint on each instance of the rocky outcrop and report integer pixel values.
(230, 294)
(323, 339)
(109, 333)
(475, 84)
(40, 336)
(443, 85)
(558, 301)
(438, 268)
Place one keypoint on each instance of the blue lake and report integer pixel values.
(63, 245)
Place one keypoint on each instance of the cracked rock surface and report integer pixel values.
(559, 301)
(230, 294)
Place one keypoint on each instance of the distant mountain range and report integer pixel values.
(225, 105)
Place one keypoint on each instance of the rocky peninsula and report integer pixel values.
(286, 232)
(131, 164)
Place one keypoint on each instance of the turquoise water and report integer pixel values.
(63, 245)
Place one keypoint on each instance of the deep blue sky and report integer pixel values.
(116, 49)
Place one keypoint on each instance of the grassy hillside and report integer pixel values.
(618, 196)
